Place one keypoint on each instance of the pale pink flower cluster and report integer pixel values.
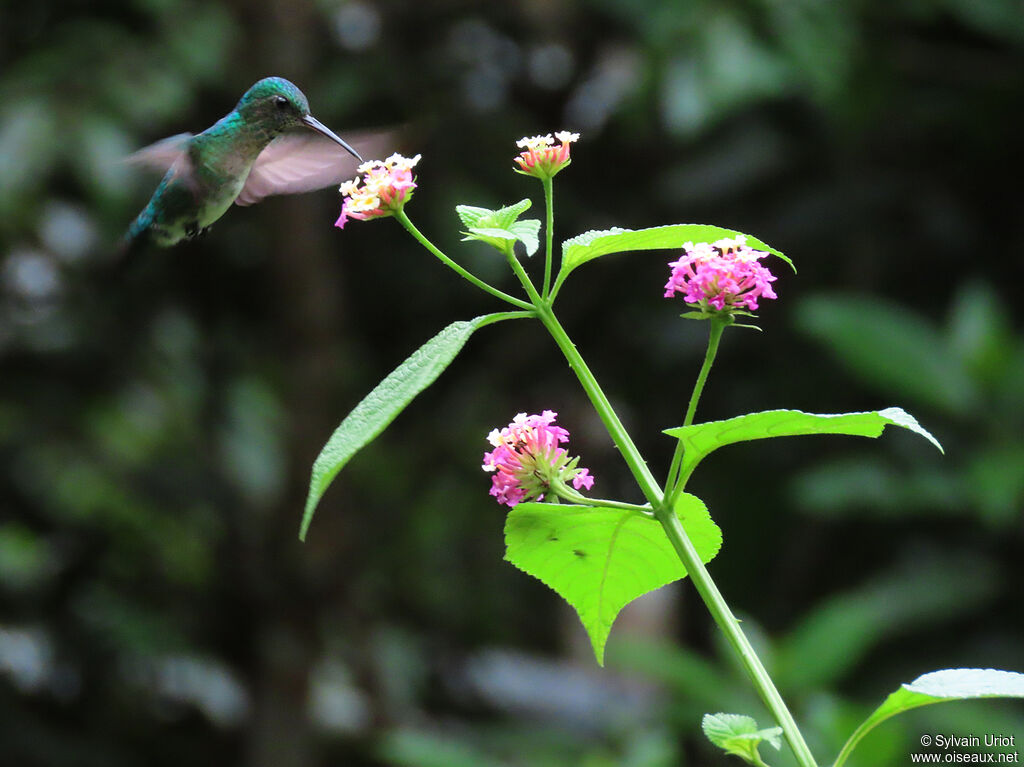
(721, 276)
(527, 458)
(541, 157)
(385, 187)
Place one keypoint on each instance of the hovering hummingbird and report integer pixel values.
(251, 153)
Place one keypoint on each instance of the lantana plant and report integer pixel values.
(600, 554)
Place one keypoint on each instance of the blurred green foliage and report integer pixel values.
(970, 373)
(158, 425)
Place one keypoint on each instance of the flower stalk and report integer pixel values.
(675, 484)
(549, 232)
(403, 219)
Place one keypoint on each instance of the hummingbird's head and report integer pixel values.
(277, 105)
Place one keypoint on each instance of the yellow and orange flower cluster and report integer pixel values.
(385, 186)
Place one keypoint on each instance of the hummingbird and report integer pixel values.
(258, 149)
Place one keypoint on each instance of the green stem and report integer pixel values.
(523, 277)
(648, 484)
(570, 494)
(559, 279)
(403, 219)
(715, 335)
(549, 225)
(726, 621)
(664, 513)
(490, 319)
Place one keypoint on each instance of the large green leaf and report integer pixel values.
(382, 405)
(700, 439)
(600, 559)
(589, 245)
(939, 687)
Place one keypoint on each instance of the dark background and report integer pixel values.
(157, 425)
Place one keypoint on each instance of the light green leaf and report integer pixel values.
(600, 559)
(505, 217)
(700, 439)
(496, 227)
(939, 687)
(382, 405)
(589, 245)
(738, 735)
(483, 233)
(527, 232)
(502, 218)
(471, 215)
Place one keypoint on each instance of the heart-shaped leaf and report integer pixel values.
(600, 559)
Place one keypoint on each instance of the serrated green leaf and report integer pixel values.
(382, 405)
(523, 231)
(702, 438)
(471, 215)
(527, 232)
(504, 217)
(484, 218)
(590, 245)
(738, 735)
(939, 687)
(483, 233)
(718, 728)
(600, 559)
(497, 227)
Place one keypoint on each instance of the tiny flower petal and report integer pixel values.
(535, 142)
(542, 157)
(583, 479)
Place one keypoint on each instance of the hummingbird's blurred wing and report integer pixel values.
(161, 155)
(302, 162)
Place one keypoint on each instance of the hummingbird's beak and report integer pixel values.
(319, 127)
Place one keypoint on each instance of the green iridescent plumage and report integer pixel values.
(260, 148)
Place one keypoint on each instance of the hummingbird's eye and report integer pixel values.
(281, 102)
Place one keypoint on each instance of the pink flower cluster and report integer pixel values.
(541, 157)
(721, 276)
(385, 187)
(527, 459)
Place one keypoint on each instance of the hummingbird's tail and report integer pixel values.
(136, 238)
